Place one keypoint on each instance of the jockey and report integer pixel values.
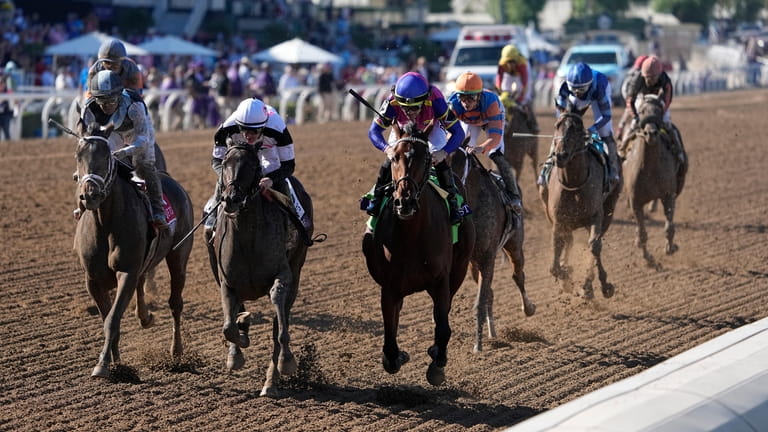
(413, 99)
(479, 110)
(133, 136)
(514, 71)
(633, 72)
(653, 80)
(112, 56)
(255, 123)
(584, 88)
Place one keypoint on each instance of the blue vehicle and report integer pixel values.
(610, 59)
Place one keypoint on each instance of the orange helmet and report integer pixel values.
(651, 67)
(469, 83)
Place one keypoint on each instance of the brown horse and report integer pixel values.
(258, 249)
(517, 147)
(497, 227)
(117, 245)
(575, 198)
(652, 172)
(412, 250)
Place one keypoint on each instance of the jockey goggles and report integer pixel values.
(107, 100)
(253, 130)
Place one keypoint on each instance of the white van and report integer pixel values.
(478, 49)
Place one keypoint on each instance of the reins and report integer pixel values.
(427, 164)
(102, 184)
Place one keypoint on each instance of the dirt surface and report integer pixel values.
(50, 336)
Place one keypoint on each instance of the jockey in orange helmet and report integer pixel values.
(479, 110)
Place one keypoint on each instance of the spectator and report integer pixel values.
(263, 85)
(326, 86)
(6, 111)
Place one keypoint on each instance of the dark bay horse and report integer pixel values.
(257, 251)
(574, 198)
(497, 228)
(412, 250)
(516, 148)
(652, 172)
(117, 245)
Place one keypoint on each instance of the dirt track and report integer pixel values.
(50, 337)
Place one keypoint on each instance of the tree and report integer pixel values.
(743, 10)
(692, 11)
(516, 11)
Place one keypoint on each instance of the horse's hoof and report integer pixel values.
(244, 340)
(671, 248)
(232, 334)
(529, 309)
(149, 322)
(477, 348)
(435, 374)
(235, 361)
(100, 372)
(269, 392)
(287, 365)
(608, 290)
(394, 367)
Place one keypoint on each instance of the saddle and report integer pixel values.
(127, 172)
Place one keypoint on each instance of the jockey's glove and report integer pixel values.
(390, 151)
(123, 154)
(438, 156)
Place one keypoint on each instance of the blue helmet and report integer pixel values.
(579, 77)
(411, 89)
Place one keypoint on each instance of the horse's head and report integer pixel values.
(96, 169)
(570, 137)
(410, 168)
(651, 115)
(241, 172)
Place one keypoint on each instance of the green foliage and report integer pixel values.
(636, 26)
(133, 20)
(582, 8)
(523, 11)
(743, 10)
(438, 6)
(690, 11)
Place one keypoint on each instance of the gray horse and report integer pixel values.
(117, 245)
(497, 228)
(257, 250)
(652, 172)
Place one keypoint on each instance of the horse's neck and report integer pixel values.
(577, 170)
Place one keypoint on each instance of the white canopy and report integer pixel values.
(297, 51)
(167, 45)
(88, 45)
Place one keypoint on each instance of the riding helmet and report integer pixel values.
(510, 53)
(651, 67)
(579, 77)
(112, 50)
(411, 89)
(105, 83)
(251, 114)
(469, 83)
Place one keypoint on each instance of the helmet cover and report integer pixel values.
(411, 89)
(469, 83)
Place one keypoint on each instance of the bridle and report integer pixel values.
(415, 187)
(233, 192)
(101, 185)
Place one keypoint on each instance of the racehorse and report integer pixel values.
(497, 228)
(258, 248)
(575, 198)
(117, 245)
(412, 250)
(652, 172)
(517, 147)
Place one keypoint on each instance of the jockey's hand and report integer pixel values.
(390, 151)
(438, 156)
(122, 154)
(265, 183)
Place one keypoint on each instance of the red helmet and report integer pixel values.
(651, 67)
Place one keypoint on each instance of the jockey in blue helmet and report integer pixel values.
(413, 99)
(584, 88)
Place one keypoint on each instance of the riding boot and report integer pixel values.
(509, 180)
(211, 208)
(546, 167)
(385, 177)
(155, 195)
(614, 173)
(445, 179)
(676, 143)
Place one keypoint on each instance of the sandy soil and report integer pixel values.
(50, 335)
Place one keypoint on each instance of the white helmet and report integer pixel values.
(251, 114)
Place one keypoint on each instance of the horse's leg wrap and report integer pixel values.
(445, 178)
(509, 180)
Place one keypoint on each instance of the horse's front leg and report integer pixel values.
(669, 226)
(559, 240)
(145, 316)
(126, 285)
(484, 301)
(279, 295)
(514, 251)
(441, 299)
(595, 247)
(231, 305)
(393, 358)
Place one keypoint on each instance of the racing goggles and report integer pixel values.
(468, 97)
(411, 108)
(107, 101)
(579, 91)
(251, 130)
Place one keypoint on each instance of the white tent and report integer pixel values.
(88, 45)
(167, 45)
(296, 51)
